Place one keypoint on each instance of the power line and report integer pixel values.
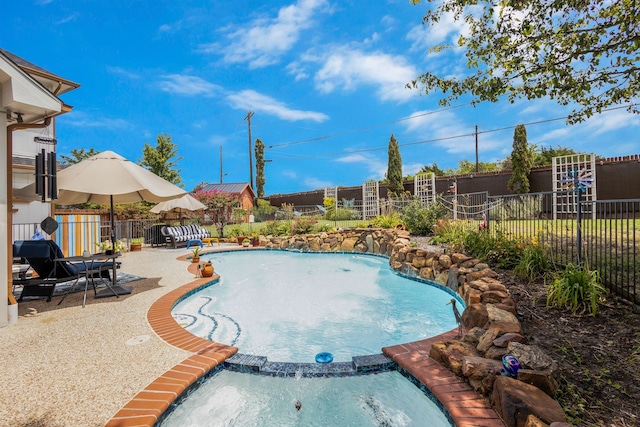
(364, 150)
(320, 138)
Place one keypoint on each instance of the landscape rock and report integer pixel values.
(544, 380)
(475, 315)
(486, 340)
(504, 340)
(481, 372)
(532, 357)
(514, 401)
(451, 353)
(473, 335)
(501, 320)
(495, 352)
(533, 421)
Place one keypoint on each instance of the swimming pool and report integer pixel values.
(236, 399)
(289, 306)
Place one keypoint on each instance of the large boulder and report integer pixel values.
(532, 357)
(481, 372)
(475, 315)
(451, 353)
(501, 320)
(514, 401)
(544, 380)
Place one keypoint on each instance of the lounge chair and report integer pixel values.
(45, 259)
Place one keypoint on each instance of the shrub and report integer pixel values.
(235, 231)
(323, 227)
(276, 228)
(576, 288)
(450, 233)
(264, 210)
(534, 264)
(420, 219)
(500, 250)
(302, 225)
(387, 221)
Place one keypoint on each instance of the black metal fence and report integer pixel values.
(604, 234)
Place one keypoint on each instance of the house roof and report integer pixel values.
(25, 94)
(52, 82)
(231, 188)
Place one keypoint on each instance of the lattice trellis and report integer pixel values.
(331, 192)
(565, 203)
(424, 186)
(370, 199)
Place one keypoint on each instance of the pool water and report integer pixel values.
(236, 399)
(289, 306)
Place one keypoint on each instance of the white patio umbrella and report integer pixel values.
(181, 205)
(109, 179)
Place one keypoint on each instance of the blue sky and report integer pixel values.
(325, 80)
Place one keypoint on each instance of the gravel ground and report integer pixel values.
(74, 366)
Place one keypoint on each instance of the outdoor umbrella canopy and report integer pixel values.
(186, 203)
(109, 179)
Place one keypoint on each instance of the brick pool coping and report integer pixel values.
(466, 407)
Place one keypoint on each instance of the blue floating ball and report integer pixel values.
(510, 364)
(324, 357)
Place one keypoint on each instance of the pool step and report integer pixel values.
(369, 364)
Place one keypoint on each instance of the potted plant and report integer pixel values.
(196, 254)
(246, 242)
(207, 269)
(255, 239)
(136, 244)
(108, 248)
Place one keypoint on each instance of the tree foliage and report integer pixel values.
(521, 162)
(220, 206)
(544, 156)
(432, 168)
(584, 52)
(394, 168)
(260, 179)
(162, 160)
(76, 156)
(466, 167)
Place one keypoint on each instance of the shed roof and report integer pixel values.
(231, 188)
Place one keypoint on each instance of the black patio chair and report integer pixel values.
(45, 259)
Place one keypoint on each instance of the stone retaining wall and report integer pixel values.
(490, 320)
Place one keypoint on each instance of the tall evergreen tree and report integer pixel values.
(260, 179)
(162, 159)
(394, 168)
(521, 162)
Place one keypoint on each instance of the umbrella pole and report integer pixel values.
(113, 224)
(116, 289)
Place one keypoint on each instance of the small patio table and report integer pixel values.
(89, 271)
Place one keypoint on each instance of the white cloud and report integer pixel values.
(584, 133)
(376, 167)
(187, 85)
(315, 183)
(447, 31)
(348, 69)
(289, 174)
(411, 168)
(85, 120)
(450, 132)
(263, 41)
(122, 72)
(298, 71)
(70, 18)
(252, 100)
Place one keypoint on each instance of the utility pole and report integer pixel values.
(248, 119)
(221, 164)
(477, 164)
